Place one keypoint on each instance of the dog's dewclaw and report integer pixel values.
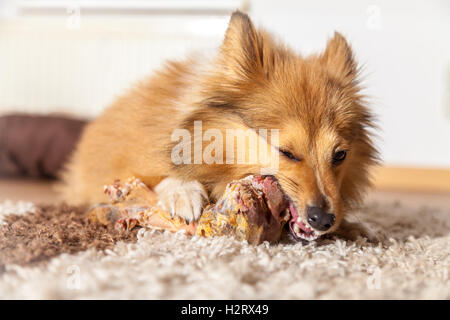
(251, 209)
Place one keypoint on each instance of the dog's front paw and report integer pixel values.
(184, 199)
(352, 230)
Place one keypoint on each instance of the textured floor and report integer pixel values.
(412, 263)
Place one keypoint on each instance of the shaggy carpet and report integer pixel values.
(52, 252)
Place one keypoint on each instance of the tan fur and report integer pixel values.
(253, 82)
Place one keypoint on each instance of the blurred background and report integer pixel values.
(73, 58)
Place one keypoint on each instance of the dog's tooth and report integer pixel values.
(299, 220)
(296, 228)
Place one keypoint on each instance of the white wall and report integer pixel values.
(47, 67)
(404, 46)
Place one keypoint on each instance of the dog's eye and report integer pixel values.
(339, 156)
(289, 155)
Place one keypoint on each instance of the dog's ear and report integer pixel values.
(339, 60)
(242, 48)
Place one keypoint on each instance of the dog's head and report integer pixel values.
(324, 126)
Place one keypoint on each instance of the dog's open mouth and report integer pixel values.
(278, 202)
(299, 228)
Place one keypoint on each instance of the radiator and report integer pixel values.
(54, 64)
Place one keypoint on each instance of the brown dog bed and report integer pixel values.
(36, 145)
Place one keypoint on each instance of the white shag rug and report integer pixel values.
(412, 263)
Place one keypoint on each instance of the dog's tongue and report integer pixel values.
(294, 213)
(293, 223)
(293, 220)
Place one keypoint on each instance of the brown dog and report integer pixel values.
(254, 82)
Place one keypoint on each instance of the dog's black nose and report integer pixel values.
(319, 219)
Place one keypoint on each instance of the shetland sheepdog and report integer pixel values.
(254, 82)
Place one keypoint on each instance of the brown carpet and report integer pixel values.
(53, 252)
(50, 231)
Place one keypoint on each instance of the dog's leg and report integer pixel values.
(182, 198)
(352, 230)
